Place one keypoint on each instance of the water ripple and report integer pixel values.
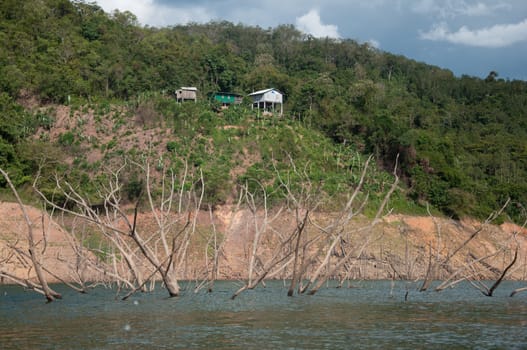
(370, 316)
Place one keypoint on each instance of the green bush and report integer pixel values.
(66, 139)
(133, 189)
(172, 146)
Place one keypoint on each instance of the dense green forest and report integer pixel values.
(462, 141)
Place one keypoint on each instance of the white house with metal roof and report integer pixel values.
(186, 93)
(268, 100)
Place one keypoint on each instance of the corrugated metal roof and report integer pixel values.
(261, 92)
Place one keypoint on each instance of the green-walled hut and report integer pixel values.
(228, 98)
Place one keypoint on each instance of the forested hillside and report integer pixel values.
(462, 141)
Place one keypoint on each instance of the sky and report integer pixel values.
(471, 37)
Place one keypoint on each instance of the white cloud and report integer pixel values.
(374, 43)
(478, 9)
(140, 8)
(455, 8)
(310, 23)
(152, 13)
(499, 35)
(169, 16)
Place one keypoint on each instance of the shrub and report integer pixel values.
(67, 139)
(172, 146)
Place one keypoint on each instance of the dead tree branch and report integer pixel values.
(34, 253)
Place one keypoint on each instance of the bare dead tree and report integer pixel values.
(454, 276)
(175, 252)
(433, 262)
(106, 220)
(101, 259)
(490, 291)
(303, 204)
(297, 250)
(337, 227)
(261, 222)
(521, 229)
(479, 284)
(217, 248)
(259, 226)
(33, 252)
(165, 220)
(351, 253)
(280, 255)
(291, 249)
(173, 209)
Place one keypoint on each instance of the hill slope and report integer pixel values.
(462, 141)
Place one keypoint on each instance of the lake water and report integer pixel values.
(372, 315)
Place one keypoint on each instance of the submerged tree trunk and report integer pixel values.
(297, 275)
(171, 283)
(491, 290)
(519, 290)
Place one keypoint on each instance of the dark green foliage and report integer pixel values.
(462, 141)
(133, 189)
(172, 146)
(16, 125)
(57, 197)
(67, 139)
